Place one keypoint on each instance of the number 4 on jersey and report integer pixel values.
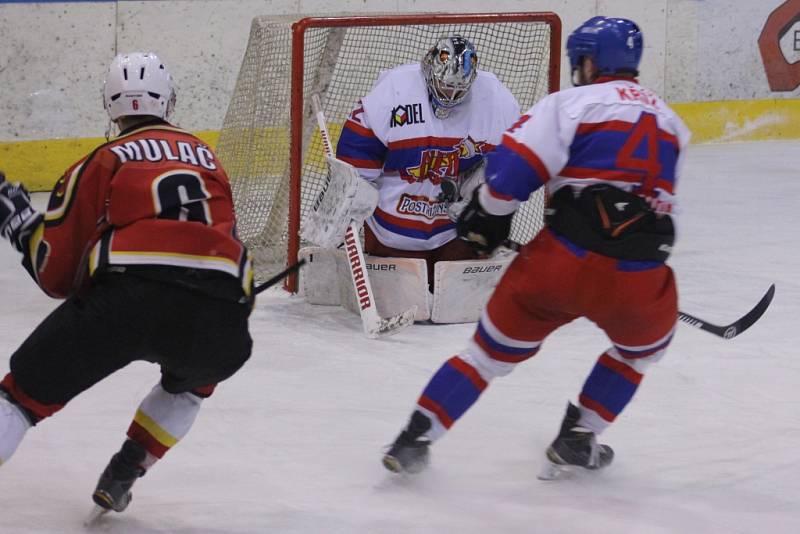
(645, 131)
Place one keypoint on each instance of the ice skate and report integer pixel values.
(409, 453)
(575, 448)
(113, 491)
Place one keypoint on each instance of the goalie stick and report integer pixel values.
(726, 332)
(374, 325)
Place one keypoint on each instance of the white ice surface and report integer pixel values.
(292, 443)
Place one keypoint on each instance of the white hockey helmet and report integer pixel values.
(449, 67)
(138, 84)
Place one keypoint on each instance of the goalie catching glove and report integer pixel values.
(18, 219)
(481, 230)
(459, 192)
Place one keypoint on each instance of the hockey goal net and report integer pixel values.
(269, 143)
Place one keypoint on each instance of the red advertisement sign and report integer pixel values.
(781, 75)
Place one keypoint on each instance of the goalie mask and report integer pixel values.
(449, 68)
(138, 84)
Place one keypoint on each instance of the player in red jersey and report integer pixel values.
(139, 239)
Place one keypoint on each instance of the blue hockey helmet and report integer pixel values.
(614, 44)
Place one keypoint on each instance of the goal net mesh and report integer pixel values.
(341, 64)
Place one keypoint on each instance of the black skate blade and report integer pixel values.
(554, 471)
(94, 516)
(392, 464)
(103, 500)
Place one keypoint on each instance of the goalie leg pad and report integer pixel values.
(319, 279)
(462, 288)
(397, 284)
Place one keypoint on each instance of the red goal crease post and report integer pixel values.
(269, 143)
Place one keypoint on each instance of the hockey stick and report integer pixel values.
(278, 277)
(726, 332)
(374, 325)
(738, 326)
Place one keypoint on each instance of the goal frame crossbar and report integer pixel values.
(296, 112)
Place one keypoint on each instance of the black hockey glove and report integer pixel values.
(449, 190)
(482, 231)
(17, 218)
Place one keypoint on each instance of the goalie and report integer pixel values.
(418, 136)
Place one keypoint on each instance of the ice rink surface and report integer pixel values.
(292, 444)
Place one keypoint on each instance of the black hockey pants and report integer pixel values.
(197, 339)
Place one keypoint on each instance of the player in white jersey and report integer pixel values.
(607, 153)
(420, 128)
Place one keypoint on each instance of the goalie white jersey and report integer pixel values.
(396, 142)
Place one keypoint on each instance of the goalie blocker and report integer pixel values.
(346, 197)
(461, 288)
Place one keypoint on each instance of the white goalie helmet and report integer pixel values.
(138, 83)
(449, 67)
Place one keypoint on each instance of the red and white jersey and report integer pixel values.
(396, 142)
(614, 131)
(154, 196)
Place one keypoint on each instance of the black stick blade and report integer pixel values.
(737, 327)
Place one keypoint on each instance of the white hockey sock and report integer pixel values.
(13, 425)
(162, 420)
(592, 421)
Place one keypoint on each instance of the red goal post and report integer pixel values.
(269, 144)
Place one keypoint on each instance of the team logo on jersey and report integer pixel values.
(436, 164)
(406, 114)
(421, 205)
